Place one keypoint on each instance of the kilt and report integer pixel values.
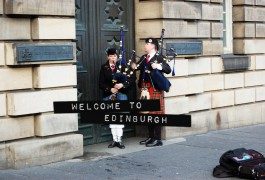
(155, 94)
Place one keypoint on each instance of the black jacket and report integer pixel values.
(106, 77)
(144, 76)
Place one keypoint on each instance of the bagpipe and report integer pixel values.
(159, 81)
(125, 69)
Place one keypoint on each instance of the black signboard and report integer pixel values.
(181, 120)
(122, 112)
(105, 106)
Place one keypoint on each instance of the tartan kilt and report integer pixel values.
(155, 94)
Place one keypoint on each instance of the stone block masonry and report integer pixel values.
(32, 152)
(40, 7)
(37, 57)
(23, 103)
(12, 79)
(2, 104)
(14, 28)
(16, 128)
(50, 124)
(43, 76)
(51, 28)
(1, 7)
(2, 54)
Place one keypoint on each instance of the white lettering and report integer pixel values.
(81, 106)
(149, 119)
(74, 106)
(117, 106)
(128, 118)
(142, 119)
(110, 106)
(132, 103)
(121, 116)
(139, 105)
(96, 106)
(135, 119)
(106, 117)
(87, 107)
(113, 118)
(156, 119)
(164, 120)
(102, 106)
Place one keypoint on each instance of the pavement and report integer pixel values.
(191, 157)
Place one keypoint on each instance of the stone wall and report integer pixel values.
(215, 99)
(30, 133)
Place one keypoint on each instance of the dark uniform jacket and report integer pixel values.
(106, 77)
(146, 67)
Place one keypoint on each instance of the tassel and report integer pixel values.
(173, 71)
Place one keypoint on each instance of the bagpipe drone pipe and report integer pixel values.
(124, 69)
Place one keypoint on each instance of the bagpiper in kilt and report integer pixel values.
(114, 88)
(150, 61)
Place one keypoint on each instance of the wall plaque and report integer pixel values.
(44, 52)
(233, 63)
(184, 48)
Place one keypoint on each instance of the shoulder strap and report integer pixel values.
(221, 172)
(151, 80)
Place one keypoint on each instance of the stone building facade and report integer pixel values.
(215, 98)
(31, 134)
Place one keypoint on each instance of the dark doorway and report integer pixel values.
(97, 28)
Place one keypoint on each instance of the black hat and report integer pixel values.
(152, 41)
(112, 51)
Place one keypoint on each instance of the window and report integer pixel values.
(227, 27)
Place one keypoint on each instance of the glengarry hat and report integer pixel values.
(112, 51)
(152, 41)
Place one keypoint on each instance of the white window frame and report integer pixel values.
(227, 27)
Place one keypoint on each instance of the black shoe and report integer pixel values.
(154, 143)
(145, 141)
(113, 144)
(120, 145)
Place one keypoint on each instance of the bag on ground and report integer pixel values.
(241, 162)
